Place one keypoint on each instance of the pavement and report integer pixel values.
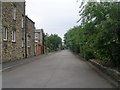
(12, 64)
(56, 70)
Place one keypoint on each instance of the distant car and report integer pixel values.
(63, 48)
(56, 50)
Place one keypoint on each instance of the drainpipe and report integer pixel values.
(1, 33)
(25, 37)
(24, 31)
(1, 45)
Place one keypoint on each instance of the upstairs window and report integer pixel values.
(36, 35)
(13, 36)
(22, 21)
(22, 43)
(28, 41)
(14, 13)
(5, 34)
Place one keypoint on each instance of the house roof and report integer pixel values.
(39, 30)
(29, 19)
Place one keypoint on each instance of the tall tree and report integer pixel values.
(53, 42)
(99, 33)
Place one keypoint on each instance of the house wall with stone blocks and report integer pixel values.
(30, 37)
(13, 31)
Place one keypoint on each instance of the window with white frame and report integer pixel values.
(36, 37)
(28, 41)
(22, 43)
(5, 34)
(14, 13)
(13, 36)
(22, 21)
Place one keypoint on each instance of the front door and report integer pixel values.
(39, 50)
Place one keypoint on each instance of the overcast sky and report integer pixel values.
(54, 16)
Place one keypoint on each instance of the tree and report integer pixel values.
(53, 42)
(98, 36)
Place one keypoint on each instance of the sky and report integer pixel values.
(54, 16)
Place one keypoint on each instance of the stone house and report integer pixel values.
(39, 42)
(13, 31)
(29, 37)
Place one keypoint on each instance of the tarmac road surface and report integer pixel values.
(57, 70)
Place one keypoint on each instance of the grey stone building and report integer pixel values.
(29, 37)
(13, 31)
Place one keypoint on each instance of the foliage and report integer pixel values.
(53, 42)
(98, 36)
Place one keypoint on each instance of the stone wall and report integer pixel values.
(112, 73)
(13, 50)
(30, 30)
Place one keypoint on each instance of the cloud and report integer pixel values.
(54, 16)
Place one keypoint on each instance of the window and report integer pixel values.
(5, 34)
(14, 13)
(22, 21)
(22, 43)
(13, 36)
(28, 41)
(36, 35)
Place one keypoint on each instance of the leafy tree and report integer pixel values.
(53, 42)
(98, 36)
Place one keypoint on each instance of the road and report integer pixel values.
(57, 70)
